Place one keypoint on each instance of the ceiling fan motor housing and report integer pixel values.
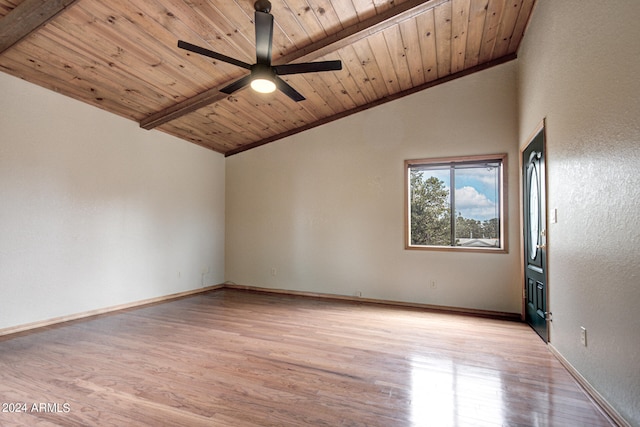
(263, 71)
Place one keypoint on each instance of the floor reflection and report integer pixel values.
(446, 393)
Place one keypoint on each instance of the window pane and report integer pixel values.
(430, 209)
(477, 205)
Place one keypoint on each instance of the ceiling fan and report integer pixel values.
(264, 77)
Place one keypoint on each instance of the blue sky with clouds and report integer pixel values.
(476, 191)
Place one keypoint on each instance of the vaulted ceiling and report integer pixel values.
(122, 56)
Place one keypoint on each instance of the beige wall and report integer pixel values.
(323, 209)
(579, 68)
(95, 212)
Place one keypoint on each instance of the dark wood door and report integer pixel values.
(535, 250)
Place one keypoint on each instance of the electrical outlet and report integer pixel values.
(583, 335)
(357, 294)
(274, 271)
(433, 284)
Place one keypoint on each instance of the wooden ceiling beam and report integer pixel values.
(361, 30)
(27, 17)
(349, 35)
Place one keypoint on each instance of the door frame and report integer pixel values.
(541, 127)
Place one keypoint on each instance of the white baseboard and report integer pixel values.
(458, 310)
(608, 410)
(229, 285)
(76, 316)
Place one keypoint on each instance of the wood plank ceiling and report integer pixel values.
(122, 56)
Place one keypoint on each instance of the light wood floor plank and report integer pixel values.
(239, 358)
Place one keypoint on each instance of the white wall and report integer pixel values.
(579, 68)
(324, 208)
(95, 212)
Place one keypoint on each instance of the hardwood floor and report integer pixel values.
(237, 358)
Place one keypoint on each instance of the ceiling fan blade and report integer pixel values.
(264, 37)
(288, 90)
(238, 84)
(211, 54)
(308, 67)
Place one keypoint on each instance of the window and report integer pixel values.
(472, 217)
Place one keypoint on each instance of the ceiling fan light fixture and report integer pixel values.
(263, 79)
(263, 85)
